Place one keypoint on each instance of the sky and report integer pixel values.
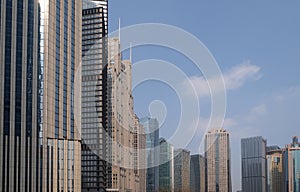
(256, 45)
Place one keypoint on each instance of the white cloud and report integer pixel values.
(287, 94)
(259, 110)
(233, 79)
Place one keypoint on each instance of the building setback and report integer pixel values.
(40, 105)
(197, 173)
(217, 154)
(123, 125)
(254, 164)
(181, 170)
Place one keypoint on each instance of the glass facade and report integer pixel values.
(166, 166)
(291, 162)
(254, 164)
(40, 141)
(197, 173)
(94, 168)
(152, 143)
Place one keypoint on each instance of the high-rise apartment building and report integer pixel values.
(94, 167)
(151, 127)
(197, 173)
(254, 164)
(40, 105)
(217, 154)
(291, 163)
(181, 170)
(166, 166)
(274, 169)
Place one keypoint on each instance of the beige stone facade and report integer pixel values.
(217, 154)
(124, 124)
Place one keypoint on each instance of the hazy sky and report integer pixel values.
(257, 46)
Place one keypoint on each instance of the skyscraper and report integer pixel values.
(123, 124)
(197, 173)
(181, 170)
(94, 167)
(166, 166)
(217, 154)
(40, 106)
(274, 169)
(291, 163)
(254, 170)
(151, 127)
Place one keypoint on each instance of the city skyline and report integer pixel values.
(256, 45)
(218, 80)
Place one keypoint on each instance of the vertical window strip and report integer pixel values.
(7, 86)
(57, 68)
(29, 73)
(72, 68)
(7, 68)
(65, 101)
(18, 82)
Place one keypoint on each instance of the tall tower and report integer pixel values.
(40, 106)
(94, 168)
(217, 154)
(254, 165)
(123, 125)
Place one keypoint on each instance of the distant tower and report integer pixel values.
(254, 170)
(275, 169)
(197, 173)
(152, 142)
(217, 154)
(291, 164)
(166, 166)
(181, 170)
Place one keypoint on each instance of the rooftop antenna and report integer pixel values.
(130, 57)
(120, 30)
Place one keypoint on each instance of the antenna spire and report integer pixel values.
(130, 57)
(120, 30)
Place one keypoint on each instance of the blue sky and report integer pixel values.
(256, 44)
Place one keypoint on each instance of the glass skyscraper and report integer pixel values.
(291, 163)
(151, 127)
(254, 164)
(94, 168)
(40, 106)
(217, 154)
(166, 166)
(197, 173)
